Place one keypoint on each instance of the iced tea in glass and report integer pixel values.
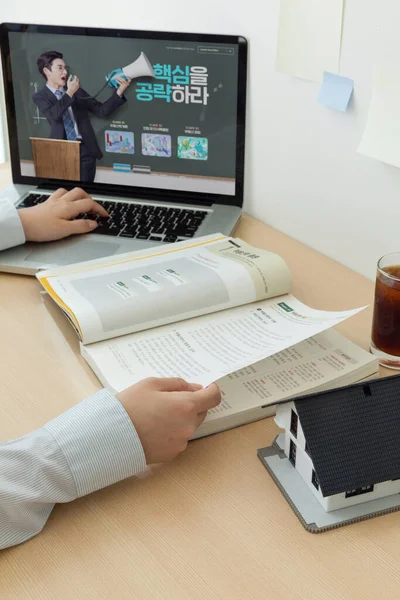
(385, 342)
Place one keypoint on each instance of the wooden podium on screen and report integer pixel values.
(56, 159)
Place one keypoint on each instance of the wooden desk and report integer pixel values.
(210, 525)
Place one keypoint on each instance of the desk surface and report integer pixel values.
(211, 524)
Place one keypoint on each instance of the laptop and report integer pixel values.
(165, 158)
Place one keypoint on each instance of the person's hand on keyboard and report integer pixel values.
(56, 218)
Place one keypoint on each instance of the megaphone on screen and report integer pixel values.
(141, 67)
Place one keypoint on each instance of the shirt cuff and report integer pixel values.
(99, 442)
(12, 232)
(121, 99)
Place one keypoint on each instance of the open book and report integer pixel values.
(210, 309)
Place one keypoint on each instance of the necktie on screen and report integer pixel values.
(68, 122)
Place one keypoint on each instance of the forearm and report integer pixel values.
(89, 447)
(104, 109)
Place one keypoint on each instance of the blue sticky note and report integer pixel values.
(335, 91)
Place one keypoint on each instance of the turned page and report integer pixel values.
(206, 348)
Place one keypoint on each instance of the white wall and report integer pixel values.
(303, 174)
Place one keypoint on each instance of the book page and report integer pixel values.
(321, 361)
(205, 349)
(180, 281)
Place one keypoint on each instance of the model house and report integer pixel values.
(345, 443)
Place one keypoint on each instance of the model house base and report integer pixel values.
(338, 458)
(305, 504)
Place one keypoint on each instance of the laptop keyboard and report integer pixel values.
(138, 221)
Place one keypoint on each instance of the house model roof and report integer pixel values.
(353, 434)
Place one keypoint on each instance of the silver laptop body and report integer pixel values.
(197, 177)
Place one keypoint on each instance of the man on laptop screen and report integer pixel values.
(66, 107)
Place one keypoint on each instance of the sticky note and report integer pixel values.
(336, 91)
(381, 139)
(309, 37)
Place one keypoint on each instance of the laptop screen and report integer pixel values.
(153, 111)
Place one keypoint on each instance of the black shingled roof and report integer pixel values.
(353, 434)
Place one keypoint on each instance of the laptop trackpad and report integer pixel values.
(69, 251)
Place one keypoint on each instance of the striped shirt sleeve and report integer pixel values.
(89, 447)
(11, 230)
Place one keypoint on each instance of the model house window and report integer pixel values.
(293, 423)
(292, 453)
(363, 490)
(314, 480)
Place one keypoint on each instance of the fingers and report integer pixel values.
(200, 418)
(71, 196)
(86, 205)
(76, 194)
(79, 226)
(81, 202)
(174, 384)
(58, 193)
(203, 398)
(207, 398)
(123, 81)
(196, 386)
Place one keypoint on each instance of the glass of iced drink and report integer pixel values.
(385, 342)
